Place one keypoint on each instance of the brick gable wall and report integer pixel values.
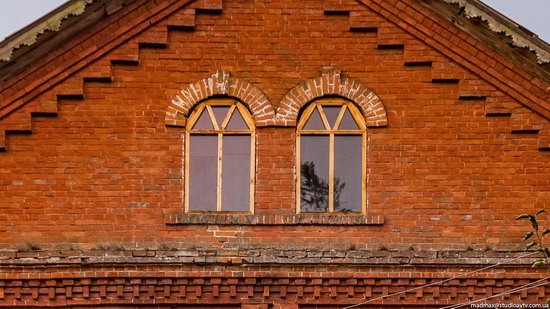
(454, 159)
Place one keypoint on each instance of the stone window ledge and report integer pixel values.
(181, 218)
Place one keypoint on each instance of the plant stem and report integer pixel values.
(541, 247)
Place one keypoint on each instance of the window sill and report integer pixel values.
(181, 218)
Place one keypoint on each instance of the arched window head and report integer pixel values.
(331, 152)
(219, 157)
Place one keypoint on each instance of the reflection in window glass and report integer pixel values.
(236, 173)
(347, 173)
(219, 160)
(203, 169)
(347, 122)
(236, 122)
(314, 173)
(204, 122)
(314, 122)
(332, 113)
(220, 112)
(331, 171)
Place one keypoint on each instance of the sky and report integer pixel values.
(15, 15)
(532, 14)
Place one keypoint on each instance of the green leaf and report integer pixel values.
(529, 245)
(547, 252)
(548, 301)
(528, 235)
(546, 231)
(522, 216)
(539, 263)
(541, 211)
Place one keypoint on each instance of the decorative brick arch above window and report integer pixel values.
(217, 84)
(331, 83)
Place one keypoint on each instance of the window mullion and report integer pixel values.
(252, 170)
(364, 173)
(298, 172)
(186, 171)
(219, 187)
(331, 174)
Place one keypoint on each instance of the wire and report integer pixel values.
(439, 282)
(527, 286)
(516, 289)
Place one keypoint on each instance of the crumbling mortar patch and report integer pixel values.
(283, 254)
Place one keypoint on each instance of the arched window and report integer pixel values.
(331, 152)
(219, 157)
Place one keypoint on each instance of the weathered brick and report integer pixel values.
(446, 176)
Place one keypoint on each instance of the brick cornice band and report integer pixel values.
(329, 83)
(220, 83)
(151, 285)
(332, 83)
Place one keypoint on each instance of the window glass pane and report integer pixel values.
(204, 122)
(236, 122)
(314, 173)
(347, 173)
(347, 122)
(332, 113)
(220, 112)
(203, 172)
(236, 173)
(314, 122)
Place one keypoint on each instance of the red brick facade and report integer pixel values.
(91, 176)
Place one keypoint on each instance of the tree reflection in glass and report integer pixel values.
(314, 193)
(331, 168)
(314, 190)
(314, 174)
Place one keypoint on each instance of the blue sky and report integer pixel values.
(532, 14)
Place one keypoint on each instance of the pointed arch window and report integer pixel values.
(331, 152)
(219, 157)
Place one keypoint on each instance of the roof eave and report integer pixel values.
(50, 22)
(521, 37)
